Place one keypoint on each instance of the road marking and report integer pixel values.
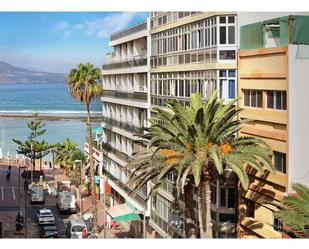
(2, 196)
(13, 192)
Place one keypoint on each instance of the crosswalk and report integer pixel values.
(10, 195)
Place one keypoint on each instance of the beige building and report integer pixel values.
(272, 82)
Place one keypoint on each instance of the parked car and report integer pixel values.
(76, 229)
(49, 232)
(37, 195)
(45, 217)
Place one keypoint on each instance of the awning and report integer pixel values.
(123, 212)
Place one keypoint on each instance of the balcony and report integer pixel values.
(128, 126)
(125, 95)
(108, 148)
(128, 31)
(136, 61)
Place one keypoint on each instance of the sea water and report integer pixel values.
(48, 98)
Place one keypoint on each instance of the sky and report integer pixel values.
(58, 41)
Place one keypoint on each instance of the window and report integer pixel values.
(276, 100)
(231, 197)
(250, 207)
(231, 19)
(223, 35)
(222, 197)
(213, 189)
(227, 54)
(253, 98)
(277, 225)
(231, 89)
(231, 34)
(280, 161)
(227, 217)
(222, 19)
(213, 215)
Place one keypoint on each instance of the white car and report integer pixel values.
(37, 195)
(45, 217)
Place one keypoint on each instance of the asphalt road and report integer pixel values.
(11, 199)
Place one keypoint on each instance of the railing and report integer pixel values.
(125, 187)
(129, 30)
(140, 60)
(125, 95)
(129, 126)
(108, 148)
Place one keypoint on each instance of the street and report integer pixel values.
(12, 199)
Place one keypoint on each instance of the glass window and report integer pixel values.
(227, 54)
(232, 73)
(213, 194)
(246, 97)
(231, 89)
(213, 215)
(222, 197)
(231, 33)
(231, 197)
(222, 35)
(227, 217)
(181, 93)
(280, 161)
(276, 100)
(231, 19)
(222, 73)
(253, 98)
(222, 19)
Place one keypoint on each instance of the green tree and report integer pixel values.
(198, 143)
(65, 155)
(31, 147)
(295, 212)
(84, 85)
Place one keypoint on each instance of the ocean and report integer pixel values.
(46, 98)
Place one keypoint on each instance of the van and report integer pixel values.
(37, 195)
(76, 229)
(66, 202)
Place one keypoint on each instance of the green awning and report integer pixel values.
(123, 212)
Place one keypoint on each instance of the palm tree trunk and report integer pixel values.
(93, 189)
(204, 209)
(189, 211)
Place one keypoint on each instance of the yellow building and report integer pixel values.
(273, 87)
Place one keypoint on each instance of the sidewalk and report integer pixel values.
(119, 232)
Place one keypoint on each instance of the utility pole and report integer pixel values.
(26, 189)
(31, 161)
(18, 188)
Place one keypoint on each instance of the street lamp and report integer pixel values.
(80, 185)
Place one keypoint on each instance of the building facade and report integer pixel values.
(125, 108)
(192, 52)
(272, 63)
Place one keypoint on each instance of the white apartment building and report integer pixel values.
(125, 111)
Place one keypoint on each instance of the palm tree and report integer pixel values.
(63, 154)
(295, 212)
(198, 143)
(84, 85)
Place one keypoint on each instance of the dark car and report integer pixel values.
(49, 232)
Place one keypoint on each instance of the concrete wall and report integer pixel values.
(298, 114)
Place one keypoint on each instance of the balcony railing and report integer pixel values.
(129, 30)
(140, 60)
(125, 187)
(125, 95)
(129, 126)
(108, 148)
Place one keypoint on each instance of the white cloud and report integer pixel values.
(101, 27)
(62, 26)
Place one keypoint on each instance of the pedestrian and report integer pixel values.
(8, 173)
(108, 222)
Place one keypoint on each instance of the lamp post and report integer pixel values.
(80, 185)
(53, 153)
